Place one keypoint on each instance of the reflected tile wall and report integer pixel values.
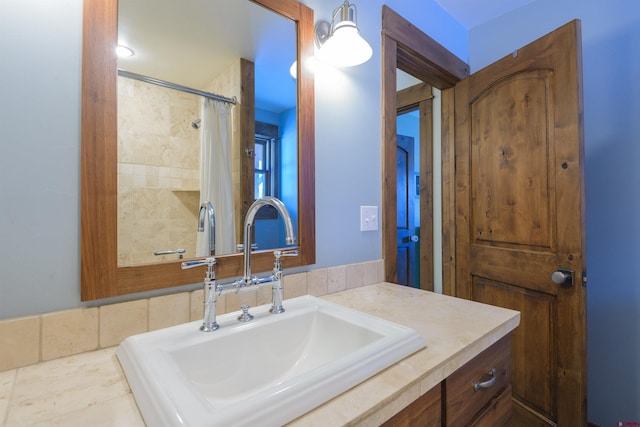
(158, 165)
(158, 171)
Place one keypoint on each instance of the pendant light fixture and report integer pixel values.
(340, 43)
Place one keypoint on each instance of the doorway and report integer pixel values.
(414, 183)
(408, 219)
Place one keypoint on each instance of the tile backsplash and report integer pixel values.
(32, 339)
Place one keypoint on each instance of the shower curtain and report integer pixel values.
(215, 176)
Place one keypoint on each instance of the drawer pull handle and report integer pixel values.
(488, 383)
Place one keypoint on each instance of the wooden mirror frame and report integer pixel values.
(101, 277)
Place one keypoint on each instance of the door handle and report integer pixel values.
(408, 239)
(562, 277)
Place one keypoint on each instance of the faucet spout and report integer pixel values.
(248, 226)
(207, 213)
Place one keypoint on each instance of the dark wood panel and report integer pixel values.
(389, 190)
(512, 179)
(409, 98)
(426, 411)
(247, 142)
(98, 160)
(426, 195)
(534, 271)
(533, 342)
(499, 412)
(424, 57)
(448, 194)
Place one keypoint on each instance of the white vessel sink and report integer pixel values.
(264, 372)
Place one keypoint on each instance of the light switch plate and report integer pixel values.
(368, 218)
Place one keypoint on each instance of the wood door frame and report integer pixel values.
(405, 47)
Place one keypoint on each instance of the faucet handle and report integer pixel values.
(198, 262)
(240, 247)
(278, 254)
(245, 316)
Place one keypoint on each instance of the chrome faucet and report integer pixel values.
(207, 212)
(248, 226)
(247, 282)
(210, 292)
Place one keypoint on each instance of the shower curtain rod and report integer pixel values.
(170, 85)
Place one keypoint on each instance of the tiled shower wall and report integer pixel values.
(159, 165)
(158, 171)
(32, 339)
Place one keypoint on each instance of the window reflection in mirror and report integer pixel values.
(198, 44)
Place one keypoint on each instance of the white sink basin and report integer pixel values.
(265, 372)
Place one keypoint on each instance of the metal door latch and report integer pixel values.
(562, 277)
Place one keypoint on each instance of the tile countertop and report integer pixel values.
(90, 388)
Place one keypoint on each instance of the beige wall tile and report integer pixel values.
(196, 310)
(168, 310)
(370, 273)
(235, 301)
(354, 275)
(20, 342)
(336, 279)
(381, 270)
(221, 305)
(294, 285)
(69, 332)
(264, 296)
(118, 321)
(317, 282)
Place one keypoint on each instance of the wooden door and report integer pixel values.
(408, 274)
(520, 216)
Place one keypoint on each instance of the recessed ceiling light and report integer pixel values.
(123, 51)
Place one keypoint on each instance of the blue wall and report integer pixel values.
(348, 126)
(611, 71)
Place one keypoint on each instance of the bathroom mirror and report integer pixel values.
(203, 45)
(101, 277)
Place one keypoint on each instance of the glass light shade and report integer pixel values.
(123, 51)
(345, 47)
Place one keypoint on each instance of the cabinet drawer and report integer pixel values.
(497, 413)
(472, 386)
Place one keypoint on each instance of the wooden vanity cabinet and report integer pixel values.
(425, 411)
(477, 394)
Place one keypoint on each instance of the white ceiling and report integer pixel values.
(471, 13)
(189, 42)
